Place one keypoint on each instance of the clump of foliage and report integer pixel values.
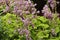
(46, 29)
(9, 24)
(19, 21)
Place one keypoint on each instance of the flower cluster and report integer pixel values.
(53, 32)
(52, 4)
(7, 6)
(1, 1)
(24, 7)
(47, 12)
(26, 32)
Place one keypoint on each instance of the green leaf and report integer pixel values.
(55, 39)
(43, 19)
(44, 25)
(57, 29)
(40, 34)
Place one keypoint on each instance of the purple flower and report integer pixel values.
(7, 9)
(52, 3)
(47, 12)
(49, 1)
(1, 1)
(53, 32)
(26, 6)
(15, 9)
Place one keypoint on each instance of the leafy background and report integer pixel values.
(44, 29)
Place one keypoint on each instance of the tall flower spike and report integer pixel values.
(52, 4)
(47, 12)
(7, 9)
(26, 6)
(7, 2)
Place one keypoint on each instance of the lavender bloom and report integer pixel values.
(26, 22)
(49, 1)
(7, 9)
(38, 11)
(27, 12)
(53, 32)
(47, 12)
(26, 32)
(1, 1)
(7, 2)
(20, 8)
(48, 15)
(57, 2)
(52, 4)
(15, 9)
(23, 31)
(26, 6)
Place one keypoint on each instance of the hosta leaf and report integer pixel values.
(40, 34)
(58, 21)
(42, 19)
(57, 29)
(10, 35)
(34, 20)
(55, 39)
(46, 31)
(46, 36)
(44, 26)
